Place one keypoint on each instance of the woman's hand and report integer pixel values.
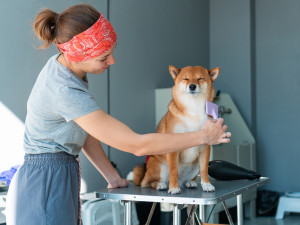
(215, 132)
(118, 183)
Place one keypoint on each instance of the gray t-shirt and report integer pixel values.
(57, 98)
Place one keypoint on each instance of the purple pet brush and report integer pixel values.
(212, 109)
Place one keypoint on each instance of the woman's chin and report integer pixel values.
(97, 71)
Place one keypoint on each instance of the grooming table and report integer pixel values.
(224, 190)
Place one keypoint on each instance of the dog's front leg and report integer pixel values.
(172, 159)
(203, 161)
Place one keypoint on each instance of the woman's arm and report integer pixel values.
(94, 152)
(112, 132)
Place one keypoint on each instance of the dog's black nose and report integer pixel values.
(192, 87)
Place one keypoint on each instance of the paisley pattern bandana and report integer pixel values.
(91, 43)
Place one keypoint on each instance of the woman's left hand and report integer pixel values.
(118, 183)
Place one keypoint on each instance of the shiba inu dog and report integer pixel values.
(186, 113)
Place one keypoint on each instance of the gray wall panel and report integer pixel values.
(230, 49)
(151, 36)
(278, 91)
(21, 62)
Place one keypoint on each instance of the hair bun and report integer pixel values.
(44, 26)
(50, 26)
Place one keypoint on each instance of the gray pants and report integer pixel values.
(44, 191)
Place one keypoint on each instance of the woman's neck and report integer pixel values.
(61, 59)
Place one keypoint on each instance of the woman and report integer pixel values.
(63, 118)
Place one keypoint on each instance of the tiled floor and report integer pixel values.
(291, 219)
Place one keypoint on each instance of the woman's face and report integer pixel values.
(98, 64)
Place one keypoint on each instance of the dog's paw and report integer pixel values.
(130, 176)
(191, 184)
(174, 190)
(161, 186)
(207, 186)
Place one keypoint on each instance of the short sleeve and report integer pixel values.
(74, 102)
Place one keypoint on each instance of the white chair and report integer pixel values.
(290, 202)
(103, 212)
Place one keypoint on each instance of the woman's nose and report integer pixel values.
(111, 59)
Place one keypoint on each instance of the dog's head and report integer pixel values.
(194, 80)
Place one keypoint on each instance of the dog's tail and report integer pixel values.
(139, 173)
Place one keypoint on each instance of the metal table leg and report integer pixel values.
(202, 212)
(240, 219)
(227, 213)
(151, 213)
(191, 214)
(127, 215)
(177, 214)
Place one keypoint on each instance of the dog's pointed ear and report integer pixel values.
(214, 73)
(174, 71)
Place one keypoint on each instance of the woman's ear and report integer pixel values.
(214, 73)
(174, 71)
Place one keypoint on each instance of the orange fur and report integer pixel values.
(139, 173)
(186, 112)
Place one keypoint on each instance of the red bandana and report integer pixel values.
(91, 43)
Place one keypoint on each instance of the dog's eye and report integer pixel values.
(200, 78)
(185, 79)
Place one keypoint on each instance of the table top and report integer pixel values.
(224, 190)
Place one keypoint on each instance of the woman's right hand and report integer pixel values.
(215, 132)
(118, 183)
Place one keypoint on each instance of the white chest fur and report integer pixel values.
(192, 120)
(195, 115)
(189, 155)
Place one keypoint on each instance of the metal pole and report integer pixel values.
(227, 213)
(176, 215)
(127, 214)
(202, 213)
(198, 220)
(191, 214)
(240, 216)
(151, 213)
